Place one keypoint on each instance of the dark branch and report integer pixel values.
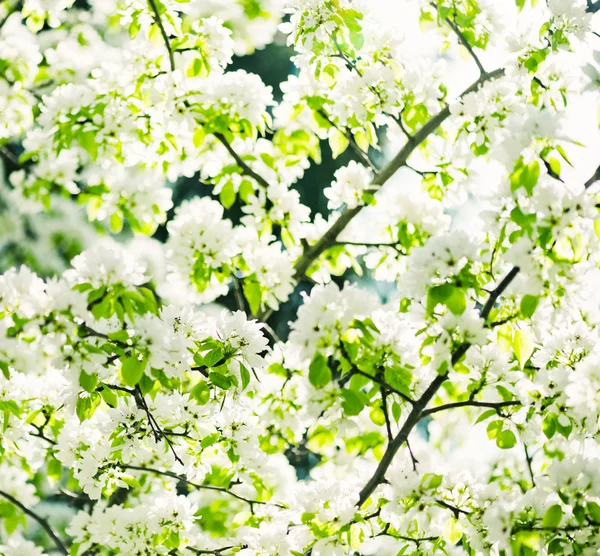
(462, 39)
(594, 178)
(593, 7)
(329, 237)
(245, 168)
(469, 403)
(43, 523)
(163, 32)
(418, 408)
(183, 480)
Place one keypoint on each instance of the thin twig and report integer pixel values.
(529, 460)
(412, 456)
(456, 511)
(213, 551)
(163, 32)
(158, 432)
(384, 408)
(43, 522)
(183, 480)
(491, 405)
(462, 39)
(364, 157)
(238, 159)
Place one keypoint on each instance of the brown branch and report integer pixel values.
(43, 522)
(364, 157)
(213, 551)
(384, 408)
(418, 409)
(529, 460)
(462, 39)
(470, 403)
(238, 159)
(456, 511)
(412, 456)
(185, 481)
(382, 383)
(156, 429)
(329, 237)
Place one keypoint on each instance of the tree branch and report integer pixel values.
(364, 157)
(183, 480)
(213, 551)
(593, 7)
(596, 175)
(528, 460)
(158, 432)
(469, 403)
(329, 237)
(245, 168)
(464, 42)
(382, 383)
(384, 408)
(43, 522)
(418, 409)
(152, 4)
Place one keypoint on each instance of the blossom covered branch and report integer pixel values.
(414, 370)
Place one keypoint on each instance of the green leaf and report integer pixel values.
(523, 347)
(338, 142)
(593, 510)
(552, 517)
(199, 135)
(453, 530)
(201, 393)
(494, 428)
(431, 481)
(220, 380)
(353, 403)
(132, 370)
(109, 397)
(116, 222)
(86, 406)
(529, 304)
(130, 481)
(506, 440)
(245, 374)
(597, 227)
(549, 425)
(486, 414)
(319, 372)
(88, 382)
(227, 195)
(447, 294)
(54, 469)
(5, 370)
(253, 294)
(213, 357)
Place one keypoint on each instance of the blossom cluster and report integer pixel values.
(457, 414)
